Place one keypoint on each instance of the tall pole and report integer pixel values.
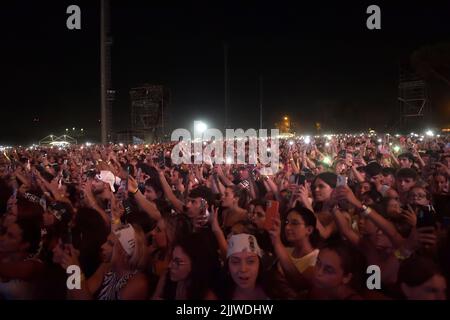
(103, 71)
(260, 101)
(225, 79)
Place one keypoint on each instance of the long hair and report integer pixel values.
(242, 195)
(139, 258)
(204, 266)
(352, 261)
(229, 284)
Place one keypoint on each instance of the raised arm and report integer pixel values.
(345, 193)
(176, 203)
(344, 227)
(147, 206)
(290, 270)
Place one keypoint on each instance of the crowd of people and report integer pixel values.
(140, 227)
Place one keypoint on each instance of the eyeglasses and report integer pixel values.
(177, 263)
(418, 195)
(294, 223)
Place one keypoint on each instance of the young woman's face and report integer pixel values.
(349, 158)
(180, 266)
(441, 184)
(393, 207)
(392, 194)
(244, 268)
(328, 272)
(366, 227)
(365, 187)
(296, 230)
(418, 196)
(228, 199)
(11, 241)
(432, 289)
(98, 186)
(150, 193)
(159, 234)
(322, 191)
(107, 248)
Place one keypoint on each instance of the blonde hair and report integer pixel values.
(138, 260)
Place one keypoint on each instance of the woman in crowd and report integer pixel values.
(300, 258)
(120, 276)
(19, 269)
(234, 202)
(385, 224)
(338, 273)
(168, 231)
(244, 269)
(421, 279)
(190, 273)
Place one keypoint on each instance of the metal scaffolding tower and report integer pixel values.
(149, 114)
(412, 97)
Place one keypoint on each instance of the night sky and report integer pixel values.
(318, 60)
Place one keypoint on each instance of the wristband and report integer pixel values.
(365, 211)
(402, 255)
(135, 191)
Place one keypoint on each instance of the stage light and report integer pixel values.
(200, 126)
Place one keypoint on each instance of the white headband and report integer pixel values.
(243, 243)
(108, 177)
(127, 238)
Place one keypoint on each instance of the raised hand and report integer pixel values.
(132, 184)
(409, 216)
(275, 232)
(215, 226)
(70, 256)
(345, 193)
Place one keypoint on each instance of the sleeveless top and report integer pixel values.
(112, 284)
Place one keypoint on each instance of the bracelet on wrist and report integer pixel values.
(365, 210)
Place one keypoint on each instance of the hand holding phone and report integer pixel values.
(341, 181)
(272, 213)
(425, 217)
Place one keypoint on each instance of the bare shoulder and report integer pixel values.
(136, 288)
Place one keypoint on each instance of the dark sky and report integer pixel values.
(315, 58)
